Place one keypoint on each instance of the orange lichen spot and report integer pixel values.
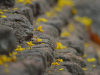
(60, 46)
(40, 29)
(59, 60)
(55, 63)
(19, 48)
(27, 2)
(30, 43)
(63, 34)
(39, 40)
(61, 69)
(6, 65)
(6, 70)
(42, 20)
(85, 69)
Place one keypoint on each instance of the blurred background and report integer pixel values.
(89, 11)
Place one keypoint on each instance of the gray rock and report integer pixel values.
(7, 40)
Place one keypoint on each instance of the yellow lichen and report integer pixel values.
(1, 62)
(55, 63)
(60, 46)
(63, 34)
(71, 27)
(14, 53)
(84, 56)
(6, 70)
(2, 16)
(61, 69)
(51, 13)
(14, 8)
(62, 3)
(10, 54)
(85, 69)
(30, 43)
(27, 2)
(14, 58)
(3, 58)
(86, 45)
(42, 43)
(59, 60)
(1, 13)
(84, 20)
(18, 1)
(6, 65)
(57, 8)
(42, 20)
(15, 13)
(5, 10)
(9, 59)
(74, 11)
(19, 48)
(37, 23)
(40, 29)
(93, 66)
(91, 60)
(39, 40)
(34, 29)
(29, 48)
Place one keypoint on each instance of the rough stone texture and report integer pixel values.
(68, 50)
(7, 3)
(38, 7)
(46, 53)
(26, 67)
(71, 57)
(54, 70)
(26, 11)
(56, 23)
(46, 36)
(73, 68)
(7, 40)
(20, 24)
(47, 30)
